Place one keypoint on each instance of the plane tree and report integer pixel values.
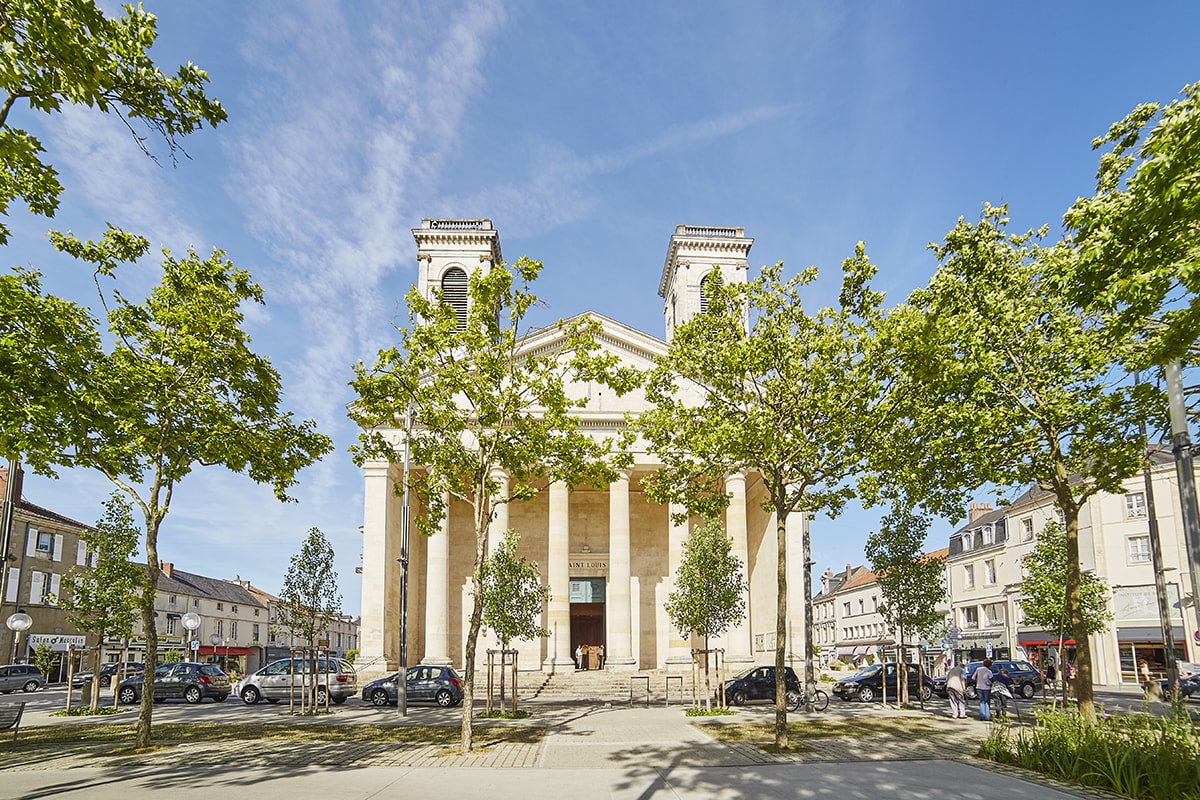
(759, 383)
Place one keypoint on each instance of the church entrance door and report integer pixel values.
(587, 620)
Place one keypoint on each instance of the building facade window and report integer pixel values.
(970, 617)
(995, 613)
(1135, 505)
(172, 626)
(254, 631)
(45, 541)
(195, 602)
(989, 572)
(846, 609)
(969, 576)
(220, 606)
(1027, 529)
(220, 629)
(1139, 549)
(171, 600)
(454, 294)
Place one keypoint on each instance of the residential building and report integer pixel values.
(608, 554)
(338, 639)
(828, 613)
(985, 572)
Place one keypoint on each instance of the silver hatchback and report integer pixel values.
(26, 677)
(288, 677)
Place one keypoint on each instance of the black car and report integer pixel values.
(1027, 680)
(189, 680)
(757, 683)
(867, 683)
(107, 672)
(1188, 687)
(440, 685)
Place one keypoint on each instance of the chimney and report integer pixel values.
(977, 510)
(17, 480)
(167, 567)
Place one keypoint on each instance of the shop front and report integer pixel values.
(1143, 653)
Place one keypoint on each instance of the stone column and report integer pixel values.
(619, 653)
(737, 640)
(558, 575)
(378, 640)
(437, 594)
(679, 651)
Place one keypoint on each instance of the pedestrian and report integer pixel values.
(600, 656)
(1051, 673)
(983, 687)
(1002, 687)
(578, 656)
(1145, 672)
(956, 689)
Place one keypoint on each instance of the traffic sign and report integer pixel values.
(953, 632)
(988, 649)
(195, 643)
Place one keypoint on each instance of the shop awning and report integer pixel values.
(845, 651)
(220, 650)
(1147, 634)
(1035, 638)
(862, 649)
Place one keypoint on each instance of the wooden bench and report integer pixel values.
(10, 717)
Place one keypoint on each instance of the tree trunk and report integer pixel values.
(150, 630)
(781, 731)
(94, 708)
(482, 525)
(810, 672)
(1082, 683)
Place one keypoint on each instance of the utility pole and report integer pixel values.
(1181, 442)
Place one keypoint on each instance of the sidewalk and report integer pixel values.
(592, 751)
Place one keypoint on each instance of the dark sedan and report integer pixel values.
(1188, 687)
(1027, 680)
(191, 681)
(757, 683)
(867, 683)
(439, 685)
(106, 673)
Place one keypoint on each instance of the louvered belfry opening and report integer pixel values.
(454, 294)
(704, 291)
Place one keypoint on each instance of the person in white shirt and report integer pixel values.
(956, 689)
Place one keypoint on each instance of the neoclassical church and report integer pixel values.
(608, 554)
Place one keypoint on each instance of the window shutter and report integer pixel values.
(81, 554)
(13, 586)
(55, 586)
(35, 588)
(58, 546)
(31, 536)
(454, 294)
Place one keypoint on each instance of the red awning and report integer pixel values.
(220, 650)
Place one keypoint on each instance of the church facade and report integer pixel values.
(608, 554)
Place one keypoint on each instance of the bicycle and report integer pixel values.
(795, 700)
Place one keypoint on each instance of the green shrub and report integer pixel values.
(715, 711)
(1139, 755)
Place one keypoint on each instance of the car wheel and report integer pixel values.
(128, 695)
(379, 697)
(337, 701)
(192, 694)
(738, 698)
(272, 700)
(971, 693)
(251, 695)
(30, 686)
(105, 681)
(926, 693)
(444, 698)
(322, 696)
(866, 694)
(1027, 691)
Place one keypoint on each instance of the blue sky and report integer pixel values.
(586, 132)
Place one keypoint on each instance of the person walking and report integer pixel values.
(578, 656)
(956, 689)
(983, 687)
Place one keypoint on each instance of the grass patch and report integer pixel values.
(1137, 755)
(715, 711)
(82, 711)
(518, 714)
(172, 732)
(816, 729)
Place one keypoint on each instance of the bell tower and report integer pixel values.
(691, 255)
(448, 252)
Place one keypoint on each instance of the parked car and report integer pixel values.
(439, 685)
(1188, 687)
(187, 679)
(26, 677)
(1027, 680)
(867, 683)
(286, 677)
(107, 671)
(757, 683)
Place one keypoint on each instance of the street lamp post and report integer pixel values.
(402, 679)
(18, 623)
(191, 621)
(216, 640)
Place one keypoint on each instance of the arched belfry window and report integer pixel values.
(704, 282)
(454, 294)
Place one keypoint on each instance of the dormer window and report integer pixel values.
(989, 535)
(968, 542)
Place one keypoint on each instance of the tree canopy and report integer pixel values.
(310, 600)
(513, 593)
(709, 592)
(486, 410)
(67, 52)
(759, 384)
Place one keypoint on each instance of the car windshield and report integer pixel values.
(866, 671)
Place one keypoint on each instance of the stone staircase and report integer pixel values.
(598, 686)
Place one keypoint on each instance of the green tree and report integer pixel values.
(103, 599)
(709, 592)
(1000, 382)
(66, 52)
(513, 598)
(911, 582)
(179, 387)
(482, 405)
(1043, 589)
(44, 658)
(792, 398)
(310, 600)
(1138, 236)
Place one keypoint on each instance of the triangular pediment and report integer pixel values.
(635, 348)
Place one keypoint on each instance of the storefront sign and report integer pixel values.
(58, 642)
